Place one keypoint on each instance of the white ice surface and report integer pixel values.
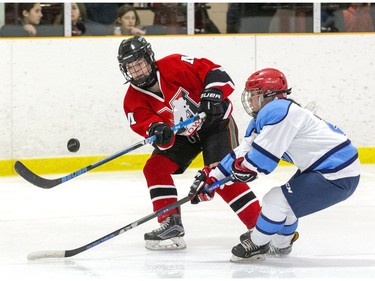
(337, 243)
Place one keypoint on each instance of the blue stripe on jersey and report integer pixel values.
(287, 158)
(250, 128)
(225, 165)
(265, 162)
(336, 159)
(340, 167)
(267, 226)
(272, 113)
(334, 128)
(289, 229)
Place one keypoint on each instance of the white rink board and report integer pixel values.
(5, 100)
(334, 73)
(55, 89)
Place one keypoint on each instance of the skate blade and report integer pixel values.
(176, 243)
(253, 259)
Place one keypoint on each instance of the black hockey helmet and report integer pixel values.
(131, 50)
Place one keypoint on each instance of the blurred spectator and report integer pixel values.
(103, 13)
(127, 22)
(249, 17)
(328, 17)
(357, 18)
(171, 15)
(81, 25)
(29, 17)
(100, 17)
(203, 23)
(78, 18)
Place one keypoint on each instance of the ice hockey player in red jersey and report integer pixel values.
(166, 92)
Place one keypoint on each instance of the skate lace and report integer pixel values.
(163, 225)
(249, 245)
(273, 250)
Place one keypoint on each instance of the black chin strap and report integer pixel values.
(275, 93)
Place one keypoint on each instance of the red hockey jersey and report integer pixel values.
(181, 80)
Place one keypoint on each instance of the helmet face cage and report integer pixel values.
(137, 49)
(247, 96)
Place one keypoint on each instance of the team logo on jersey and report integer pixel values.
(183, 108)
(288, 187)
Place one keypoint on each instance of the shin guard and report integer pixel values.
(158, 173)
(242, 201)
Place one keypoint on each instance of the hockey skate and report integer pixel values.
(280, 252)
(169, 236)
(274, 251)
(247, 251)
(246, 235)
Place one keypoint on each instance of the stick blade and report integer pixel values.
(46, 255)
(33, 178)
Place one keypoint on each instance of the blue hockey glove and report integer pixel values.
(241, 173)
(162, 132)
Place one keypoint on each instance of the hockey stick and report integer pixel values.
(69, 253)
(39, 181)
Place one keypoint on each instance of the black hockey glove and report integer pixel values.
(242, 174)
(211, 102)
(197, 191)
(162, 132)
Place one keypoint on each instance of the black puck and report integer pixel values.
(73, 145)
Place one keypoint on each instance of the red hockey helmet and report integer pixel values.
(268, 83)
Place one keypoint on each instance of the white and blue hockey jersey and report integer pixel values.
(284, 130)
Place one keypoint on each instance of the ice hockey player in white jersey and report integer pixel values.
(328, 165)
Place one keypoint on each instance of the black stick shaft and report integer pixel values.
(73, 252)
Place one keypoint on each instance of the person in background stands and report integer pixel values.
(102, 13)
(80, 24)
(78, 17)
(163, 93)
(127, 22)
(30, 15)
(172, 16)
(328, 17)
(357, 18)
(249, 17)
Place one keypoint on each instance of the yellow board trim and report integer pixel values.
(66, 165)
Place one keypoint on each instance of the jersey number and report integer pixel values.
(131, 118)
(187, 59)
